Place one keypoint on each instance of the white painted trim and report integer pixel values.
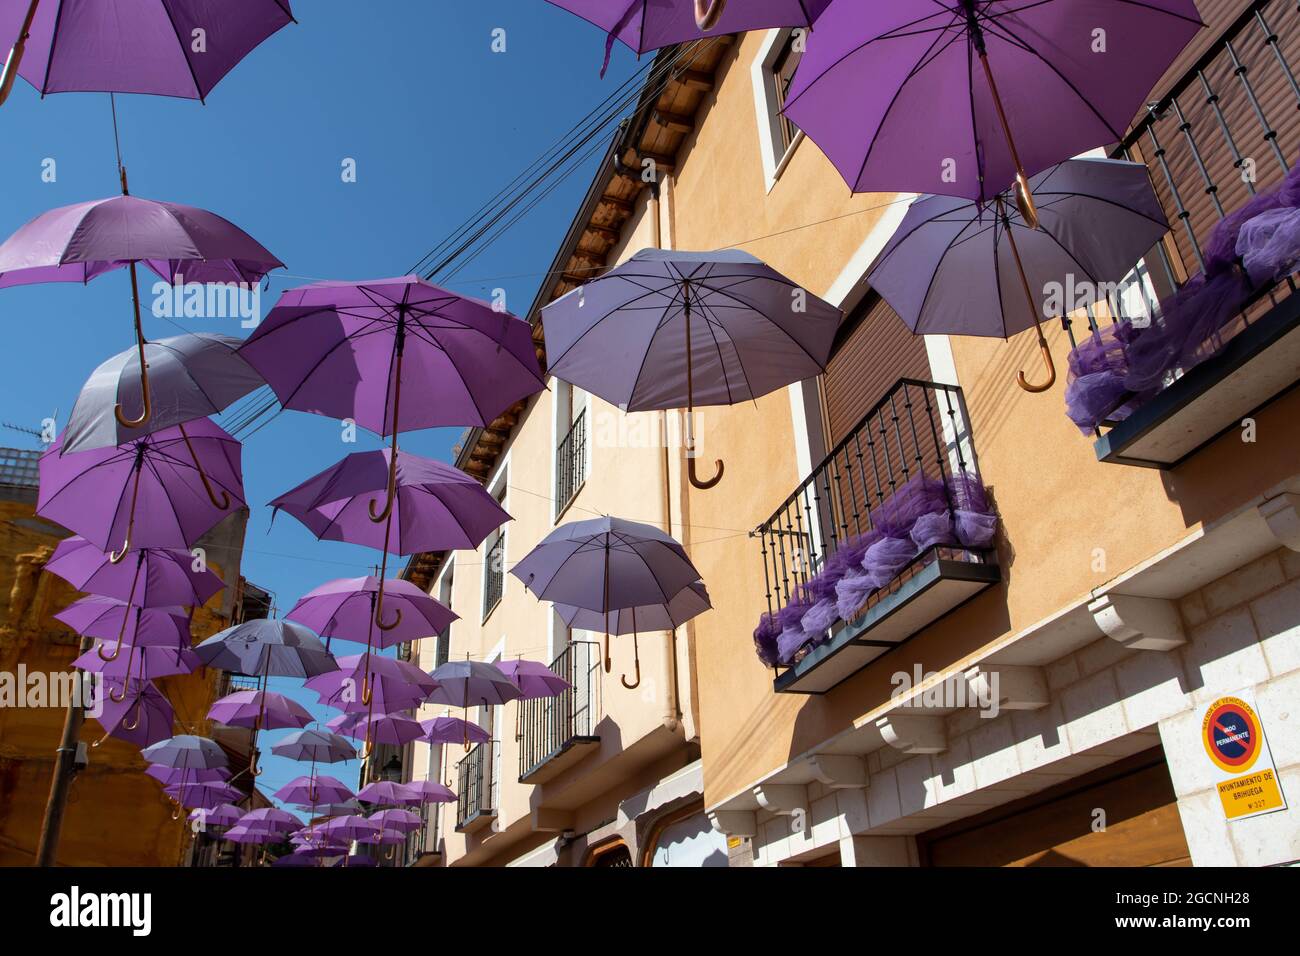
(765, 115)
(500, 481)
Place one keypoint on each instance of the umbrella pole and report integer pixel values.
(140, 343)
(221, 504)
(690, 402)
(1033, 310)
(609, 664)
(636, 651)
(130, 657)
(122, 633)
(399, 346)
(253, 769)
(707, 13)
(15, 58)
(117, 556)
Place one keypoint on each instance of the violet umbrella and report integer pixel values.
(186, 752)
(318, 746)
(433, 506)
(451, 730)
(170, 776)
(533, 679)
(430, 792)
(668, 330)
(345, 609)
(351, 827)
(689, 602)
(132, 710)
(376, 728)
(385, 792)
(154, 577)
(314, 790)
(62, 46)
(927, 114)
(267, 647)
(383, 684)
(160, 491)
(270, 820)
(259, 710)
(109, 619)
(604, 565)
(191, 376)
(218, 817)
(209, 795)
(178, 243)
(468, 684)
(153, 662)
(242, 834)
(960, 267)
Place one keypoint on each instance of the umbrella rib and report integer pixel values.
(997, 277)
(198, 90)
(709, 324)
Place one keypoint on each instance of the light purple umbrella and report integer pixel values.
(205, 795)
(345, 609)
(151, 577)
(956, 267)
(127, 626)
(186, 752)
(240, 834)
(388, 793)
(267, 647)
(373, 683)
(452, 730)
(376, 728)
(680, 329)
(314, 790)
(318, 746)
(158, 492)
(686, 604)
(260, 710)
(351, 827)
(191, 376)
(142, 716)
(218, 817)
(533, 679)
(270, 820)
(430, 792)
(604, 565)
(472, 684)
(132, 46)
(961, 98)
(401, 821)
(149, 663)
(170, 776)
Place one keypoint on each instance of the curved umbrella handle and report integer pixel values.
(15, 58)
(637, 651)
(379, 614)
(115, 557)
(1025, 200)
(390, 493)
(1051, 371)
(144, 366)
(223, 503)
(369, 746)
(704, 485)
(116, 650)
(707, 13)
(132, 725)
(254, 769)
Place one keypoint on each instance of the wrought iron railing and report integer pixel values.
(1225, 130)
(474, 792)
(919, 430)
(547, 725)
(494, 575)
(571, 462)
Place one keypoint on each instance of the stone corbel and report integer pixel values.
(547, 820)
(741, 823)
(839, 771)
(913, 734)
(1017, 688)
(782, 798)
(1282, 515)
(1139, 623)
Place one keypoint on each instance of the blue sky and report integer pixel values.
(436, 122)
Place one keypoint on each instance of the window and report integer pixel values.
(494, 553)
(442, 648)
(772, 73)
(571, 452)
(783, 67)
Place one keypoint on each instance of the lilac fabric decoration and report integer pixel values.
(765, 637)
(895, 515)
(852, 592)
(933, 529)
(819, 618)
(886, 558)
(792, 637)
(1269, 245)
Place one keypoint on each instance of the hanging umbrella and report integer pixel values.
(77, 243)
(433, 506)
(134, 711)
(959, 267)
(314, 790)
(270, 820)
(345, 609)
(468, 683)
(430, 792)
(533, 679)
(155, 577)
(267, 647)
(686, 604)
(605, 564)
(260, 710)
(669, 330)
(326, 810)
(927, 114)
(133, 627)
(376, 728)
(151, 662)
(186, 752)
(387, 793)
(170, 776)
(452, 730)
(401, 821)
(384, 684)
(318, 746)
(159, 491)
(191, 376)
(131, 46)
(241, 834)
(203, 795)
(219, 817)
(351, 827)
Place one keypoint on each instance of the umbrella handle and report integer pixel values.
(695, 480)
(116, 556)
(636, 651)
(116, 650)
(1025, 200)
(126, 724)
(369, 745)
(253, 768)
(144, 366)
(15, 58)
(1051, 371)
(224, 503)
(707, 13)
(390, 494)
(379, 615)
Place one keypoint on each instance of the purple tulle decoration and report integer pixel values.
(765, 636)
(975, 529)
(886, 558)
(821, 617)
(1269, 245)
(1220, 249)
(792, 645)
(933, 529)
(852, 592)
(967, 491)
(894, 516)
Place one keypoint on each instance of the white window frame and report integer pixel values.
(558, 431)
(498, 484)
(765, 107)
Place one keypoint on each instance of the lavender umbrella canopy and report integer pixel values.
(430, 792)
(961, 268)
(394, 685)
(387, 793)
(345, 609)
(692, 600)
(260, 710)
(533, 679)
(312, 790)
(267, 647)
(929, 83)
(391, 729)
(187, 752)
(224, 815)
(452, 730)
(159, 491)
(152, 577)
(170, 776)
(153, 662)
(134, 711)
(192, 376)
(133, 46)
(318, 746)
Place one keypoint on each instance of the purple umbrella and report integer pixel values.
(376, 728)
(314, 790)
(345, 609)
(260, 710)
(605, 564)
(170, 776)
(533, 679)
(382, 684)
(219, 817)
(686, 604)
(679, 329)
(142, 716)
(267, 647)
(154, 577)
(270, 820)
(351, 827)
(318, 746)
(433, 506)
(192, 376)
(401, 821)
(153, 662)
(186, 752)
(471, 684)
(109, 619)
(431, 792)
(240, 834)
(204, 795)
(962, 268)
(452, 730)
(387, 792)
(157, 492)
(926, 114)
(144, 46)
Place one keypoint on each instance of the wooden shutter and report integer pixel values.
(876, 350)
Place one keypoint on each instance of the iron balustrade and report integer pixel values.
(919, 429)
(571, 462)
(1220, 133)
(548, 725)
(494, 575)
(475, 790)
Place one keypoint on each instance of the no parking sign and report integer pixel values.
(1234, 740)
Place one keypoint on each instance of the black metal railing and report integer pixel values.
(571, 462)
(919, 430)
(1225, 130)
(548, 725)
(475, 791)
(494, 575)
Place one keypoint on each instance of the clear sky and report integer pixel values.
(437, 123)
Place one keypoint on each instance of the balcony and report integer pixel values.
(556, 732)
(476, 790)
(893, 529)
(571, 463)
(1224, 133)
